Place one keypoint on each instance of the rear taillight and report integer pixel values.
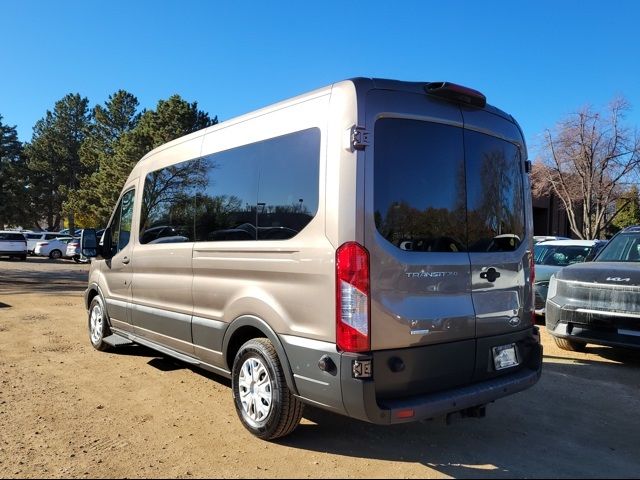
(352, 298)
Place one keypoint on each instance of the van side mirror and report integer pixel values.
(105, 247)
(89, 243)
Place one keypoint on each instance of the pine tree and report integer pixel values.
(14, 203)
(54, 156)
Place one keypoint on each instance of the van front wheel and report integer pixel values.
(264, 403)
(98, 324)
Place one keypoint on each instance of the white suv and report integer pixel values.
(13, 244)
(35, 237)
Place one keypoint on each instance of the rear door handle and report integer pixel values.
(125, 260)
(491, 275)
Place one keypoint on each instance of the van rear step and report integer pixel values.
(116, 340)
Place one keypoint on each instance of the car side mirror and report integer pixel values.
(89, 243)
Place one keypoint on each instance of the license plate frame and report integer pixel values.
(505, 356)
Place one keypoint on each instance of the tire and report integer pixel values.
(98, 324)
(257, 379)
(570, 345)
(55, 254)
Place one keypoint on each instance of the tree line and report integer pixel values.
(79, 157)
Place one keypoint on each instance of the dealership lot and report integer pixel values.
(67, 410)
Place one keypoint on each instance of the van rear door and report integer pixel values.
(499, 241)
(415, 228)
(445, 224)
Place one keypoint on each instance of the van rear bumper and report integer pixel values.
(361, 400)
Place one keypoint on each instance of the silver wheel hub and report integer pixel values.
(95, 324)
(256, 394)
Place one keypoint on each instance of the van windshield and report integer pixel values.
(440, 188)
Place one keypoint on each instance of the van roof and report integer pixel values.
(359, 83)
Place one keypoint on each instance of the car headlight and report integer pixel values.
(553, 287)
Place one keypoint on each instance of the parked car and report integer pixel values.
(35, 237)
(598, 302)
(13, 245)
(73, 251)
(55, 248)
(596, 250)
(545, 238)
(551, 256)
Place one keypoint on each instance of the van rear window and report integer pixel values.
(440, 188)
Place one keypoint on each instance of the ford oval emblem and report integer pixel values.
(514, 321)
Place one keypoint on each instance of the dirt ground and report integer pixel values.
(67, 410)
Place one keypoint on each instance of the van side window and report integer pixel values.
(121, 223)
(272, 185)
(495, 204)
(266, 190)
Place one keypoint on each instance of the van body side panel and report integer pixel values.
(286, 283)
(344, 166)
(162, 298)
(162, 294)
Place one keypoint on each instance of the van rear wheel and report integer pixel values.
(570, 345)
(264, 403)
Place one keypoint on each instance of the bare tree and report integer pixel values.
(587, 161)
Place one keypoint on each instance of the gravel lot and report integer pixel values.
(67, 410)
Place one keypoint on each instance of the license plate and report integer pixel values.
(505, 356)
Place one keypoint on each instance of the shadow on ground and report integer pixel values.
(55, 276)
(527, 435)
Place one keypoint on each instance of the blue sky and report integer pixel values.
(538, 61)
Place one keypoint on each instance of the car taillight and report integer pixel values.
(352, 298)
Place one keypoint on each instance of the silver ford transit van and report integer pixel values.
(365, 248)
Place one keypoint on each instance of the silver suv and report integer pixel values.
(598, 302)
(365, 248)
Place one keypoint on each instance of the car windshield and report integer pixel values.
(560, 255)
(624, 247)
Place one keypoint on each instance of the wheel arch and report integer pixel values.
(247, 327)
(92, 291)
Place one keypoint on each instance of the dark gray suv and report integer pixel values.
(598, 302)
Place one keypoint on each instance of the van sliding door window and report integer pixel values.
(168, 203)
(262, 191)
